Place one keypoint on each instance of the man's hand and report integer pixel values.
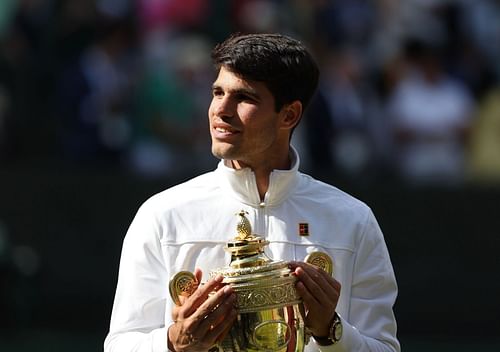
(320, 292)
(203, 319)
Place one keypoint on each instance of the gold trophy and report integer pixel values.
(270, 311)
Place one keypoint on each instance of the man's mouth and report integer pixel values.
(226, 130)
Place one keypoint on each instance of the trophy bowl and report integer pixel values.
(270, 311)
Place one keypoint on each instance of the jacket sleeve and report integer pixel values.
(138, 315)
(370, 325)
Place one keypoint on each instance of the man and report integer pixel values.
(264, 83)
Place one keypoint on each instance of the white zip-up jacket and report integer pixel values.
(188, 225)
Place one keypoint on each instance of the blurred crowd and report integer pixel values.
(409, 91)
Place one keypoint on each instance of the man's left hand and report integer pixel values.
(320, 292)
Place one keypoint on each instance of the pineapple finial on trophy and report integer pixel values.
(243, 228)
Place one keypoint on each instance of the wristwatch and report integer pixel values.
(335, 333)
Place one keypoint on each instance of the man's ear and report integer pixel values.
(291, 114)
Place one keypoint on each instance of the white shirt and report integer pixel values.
(188, 225)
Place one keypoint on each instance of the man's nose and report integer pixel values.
(225, 107)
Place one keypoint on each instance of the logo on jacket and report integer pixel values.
(303, 229)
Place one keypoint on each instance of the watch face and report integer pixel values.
(338, 331)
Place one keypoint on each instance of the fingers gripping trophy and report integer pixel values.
(270, 311)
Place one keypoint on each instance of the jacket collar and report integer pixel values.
(242, 185)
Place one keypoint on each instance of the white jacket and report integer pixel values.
(187, 226)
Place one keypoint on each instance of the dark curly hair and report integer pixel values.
(283, 64)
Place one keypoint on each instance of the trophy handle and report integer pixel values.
(183, 283)
(321, 260)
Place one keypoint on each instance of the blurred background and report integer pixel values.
(103, 103)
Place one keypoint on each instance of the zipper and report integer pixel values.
(262, 219)
(263, 215)
(261, 222)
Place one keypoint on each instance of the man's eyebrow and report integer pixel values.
(243, 91)
(249, 92)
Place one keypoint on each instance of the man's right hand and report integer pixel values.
(204, 318)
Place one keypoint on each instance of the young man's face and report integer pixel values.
(244, 125)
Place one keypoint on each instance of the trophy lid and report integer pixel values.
(249, 263)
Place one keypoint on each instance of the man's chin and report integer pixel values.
(222, 152)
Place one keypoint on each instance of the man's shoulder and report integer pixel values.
(186, 191)
(328, 194)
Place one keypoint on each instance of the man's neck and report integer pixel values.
(262, 172)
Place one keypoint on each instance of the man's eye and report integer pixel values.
(217, 93)
(244, 97)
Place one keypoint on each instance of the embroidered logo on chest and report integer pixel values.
(303, 229)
